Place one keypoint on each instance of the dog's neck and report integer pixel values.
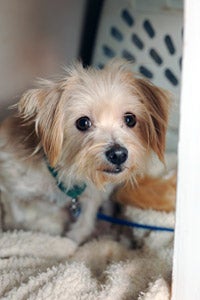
(74, 192)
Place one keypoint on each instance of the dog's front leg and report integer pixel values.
(84, 226)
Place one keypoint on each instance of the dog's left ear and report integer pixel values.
(43, 107)
(157, 104)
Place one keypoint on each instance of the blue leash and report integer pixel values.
(118, 221)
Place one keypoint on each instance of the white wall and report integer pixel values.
(186, 272)
(37, 38)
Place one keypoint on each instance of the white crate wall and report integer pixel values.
(149, 33)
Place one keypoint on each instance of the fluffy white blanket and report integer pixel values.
(38, 266)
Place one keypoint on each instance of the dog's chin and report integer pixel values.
(108, 175)
(113, 171)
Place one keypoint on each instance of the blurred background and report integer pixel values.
(37, 38)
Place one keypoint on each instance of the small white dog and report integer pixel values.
(78, 137)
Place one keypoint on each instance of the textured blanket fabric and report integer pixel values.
(38, 266)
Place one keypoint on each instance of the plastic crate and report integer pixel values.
(149, 33)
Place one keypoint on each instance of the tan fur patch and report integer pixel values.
(150, 193)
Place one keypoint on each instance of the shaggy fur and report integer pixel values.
(44, 129)
(155, 193)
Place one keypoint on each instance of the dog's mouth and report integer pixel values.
(116, 170)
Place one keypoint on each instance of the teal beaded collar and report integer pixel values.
(74, 192)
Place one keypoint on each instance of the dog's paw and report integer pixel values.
(77, 235)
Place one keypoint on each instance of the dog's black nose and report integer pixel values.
(117, 155)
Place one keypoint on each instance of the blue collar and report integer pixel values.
(74, 192)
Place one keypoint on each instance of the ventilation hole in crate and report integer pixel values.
(155, 56)
(127, 18)
(128, 56)
(116, 34)
(149, 28)
(146, 72)
(100, 66)
(170, 45)
(137, 41)
(180, 63)
(182, 32)
(108, 51)
(171, 77)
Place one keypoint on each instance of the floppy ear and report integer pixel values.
(43, 107)
(157, 104)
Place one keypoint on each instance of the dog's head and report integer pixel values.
(98, 124)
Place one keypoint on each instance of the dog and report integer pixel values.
(79, 136)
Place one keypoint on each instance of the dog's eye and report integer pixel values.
(130, 119)
(83, 123)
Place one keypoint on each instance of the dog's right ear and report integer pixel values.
(44, 108)
(157, 105)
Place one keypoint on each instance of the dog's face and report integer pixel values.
(98, 124)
